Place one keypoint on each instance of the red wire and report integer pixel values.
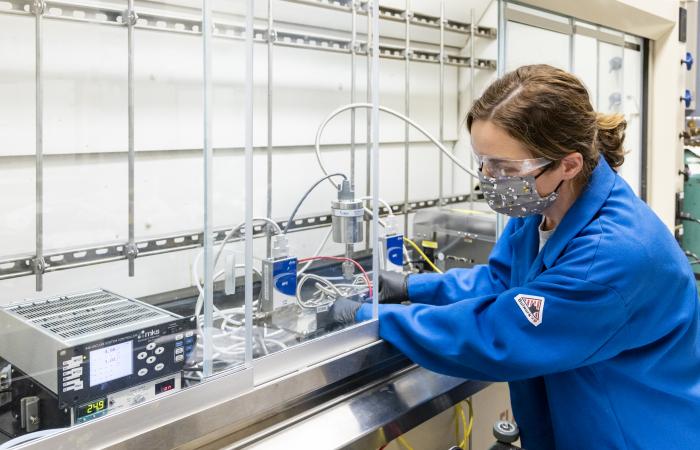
(341, 258)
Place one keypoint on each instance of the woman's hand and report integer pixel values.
(393, 287)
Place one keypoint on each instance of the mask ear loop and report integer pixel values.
(558, 185)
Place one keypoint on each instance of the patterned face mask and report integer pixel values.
(516, 196)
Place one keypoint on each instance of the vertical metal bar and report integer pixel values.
(441, 169)
(501, 64)
(271, 35)
(644, 118)
(208, 190)
(502, 23)
(368, 156)
(598, 105)
(39, 263)
(375, 154)
(131, 249)
(249, 99)
(472, 92)
(353, 87)
(407, 110)
(348, 268)
(571, 45)
(623, 103)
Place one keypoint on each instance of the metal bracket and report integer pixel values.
(19, 266)
(38, 265)
(364, 7)
(271, 35)
(38, 7)
(290, 38)
(29, 414)
(130, 17)
(131, 251)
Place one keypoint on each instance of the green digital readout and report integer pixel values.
(92, 407)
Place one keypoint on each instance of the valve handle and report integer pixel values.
(688, 60)
(687, 98)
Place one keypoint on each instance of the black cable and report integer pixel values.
(694, 259)
(686, 216)
(294, 213)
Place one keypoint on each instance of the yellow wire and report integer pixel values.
(457, 408)
(463, 443)
(403, 442)
(423, 255)
(467, 429)
(471, 417)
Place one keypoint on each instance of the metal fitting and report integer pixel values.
(39, 265)
(131, 250)
(130, 17)
(38, 7)
(272, 35)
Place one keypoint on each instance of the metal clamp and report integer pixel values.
(271, 35)
(39, 265)
(38, 7)
(131, 251)
(130, 17)
(364, 7)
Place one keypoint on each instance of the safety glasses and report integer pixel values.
(500, 167)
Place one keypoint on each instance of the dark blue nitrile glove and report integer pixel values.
(343, 310)
(393, 287)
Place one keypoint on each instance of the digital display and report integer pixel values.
(110, 363)
(92, 407)
(165, 386)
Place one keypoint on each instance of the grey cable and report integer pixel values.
(306, 194)
(422, 130)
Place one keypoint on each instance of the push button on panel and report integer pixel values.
(151, 346)
(151, 359)
(142, 355)
(159, 367)
(143, 372)
(159, 350)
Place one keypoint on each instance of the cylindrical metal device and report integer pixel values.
(348, 215)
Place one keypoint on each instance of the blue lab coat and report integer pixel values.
(597, 334)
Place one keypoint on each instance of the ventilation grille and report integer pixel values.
(85, 314)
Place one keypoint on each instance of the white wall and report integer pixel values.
(85, 137)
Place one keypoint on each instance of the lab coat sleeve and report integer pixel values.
(491, 338)
(458, 284)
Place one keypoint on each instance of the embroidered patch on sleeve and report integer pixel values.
(532, 306)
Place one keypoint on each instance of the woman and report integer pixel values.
(587, 305)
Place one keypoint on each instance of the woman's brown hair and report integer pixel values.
(549, 111)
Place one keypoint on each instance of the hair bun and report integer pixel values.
(610, 136)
